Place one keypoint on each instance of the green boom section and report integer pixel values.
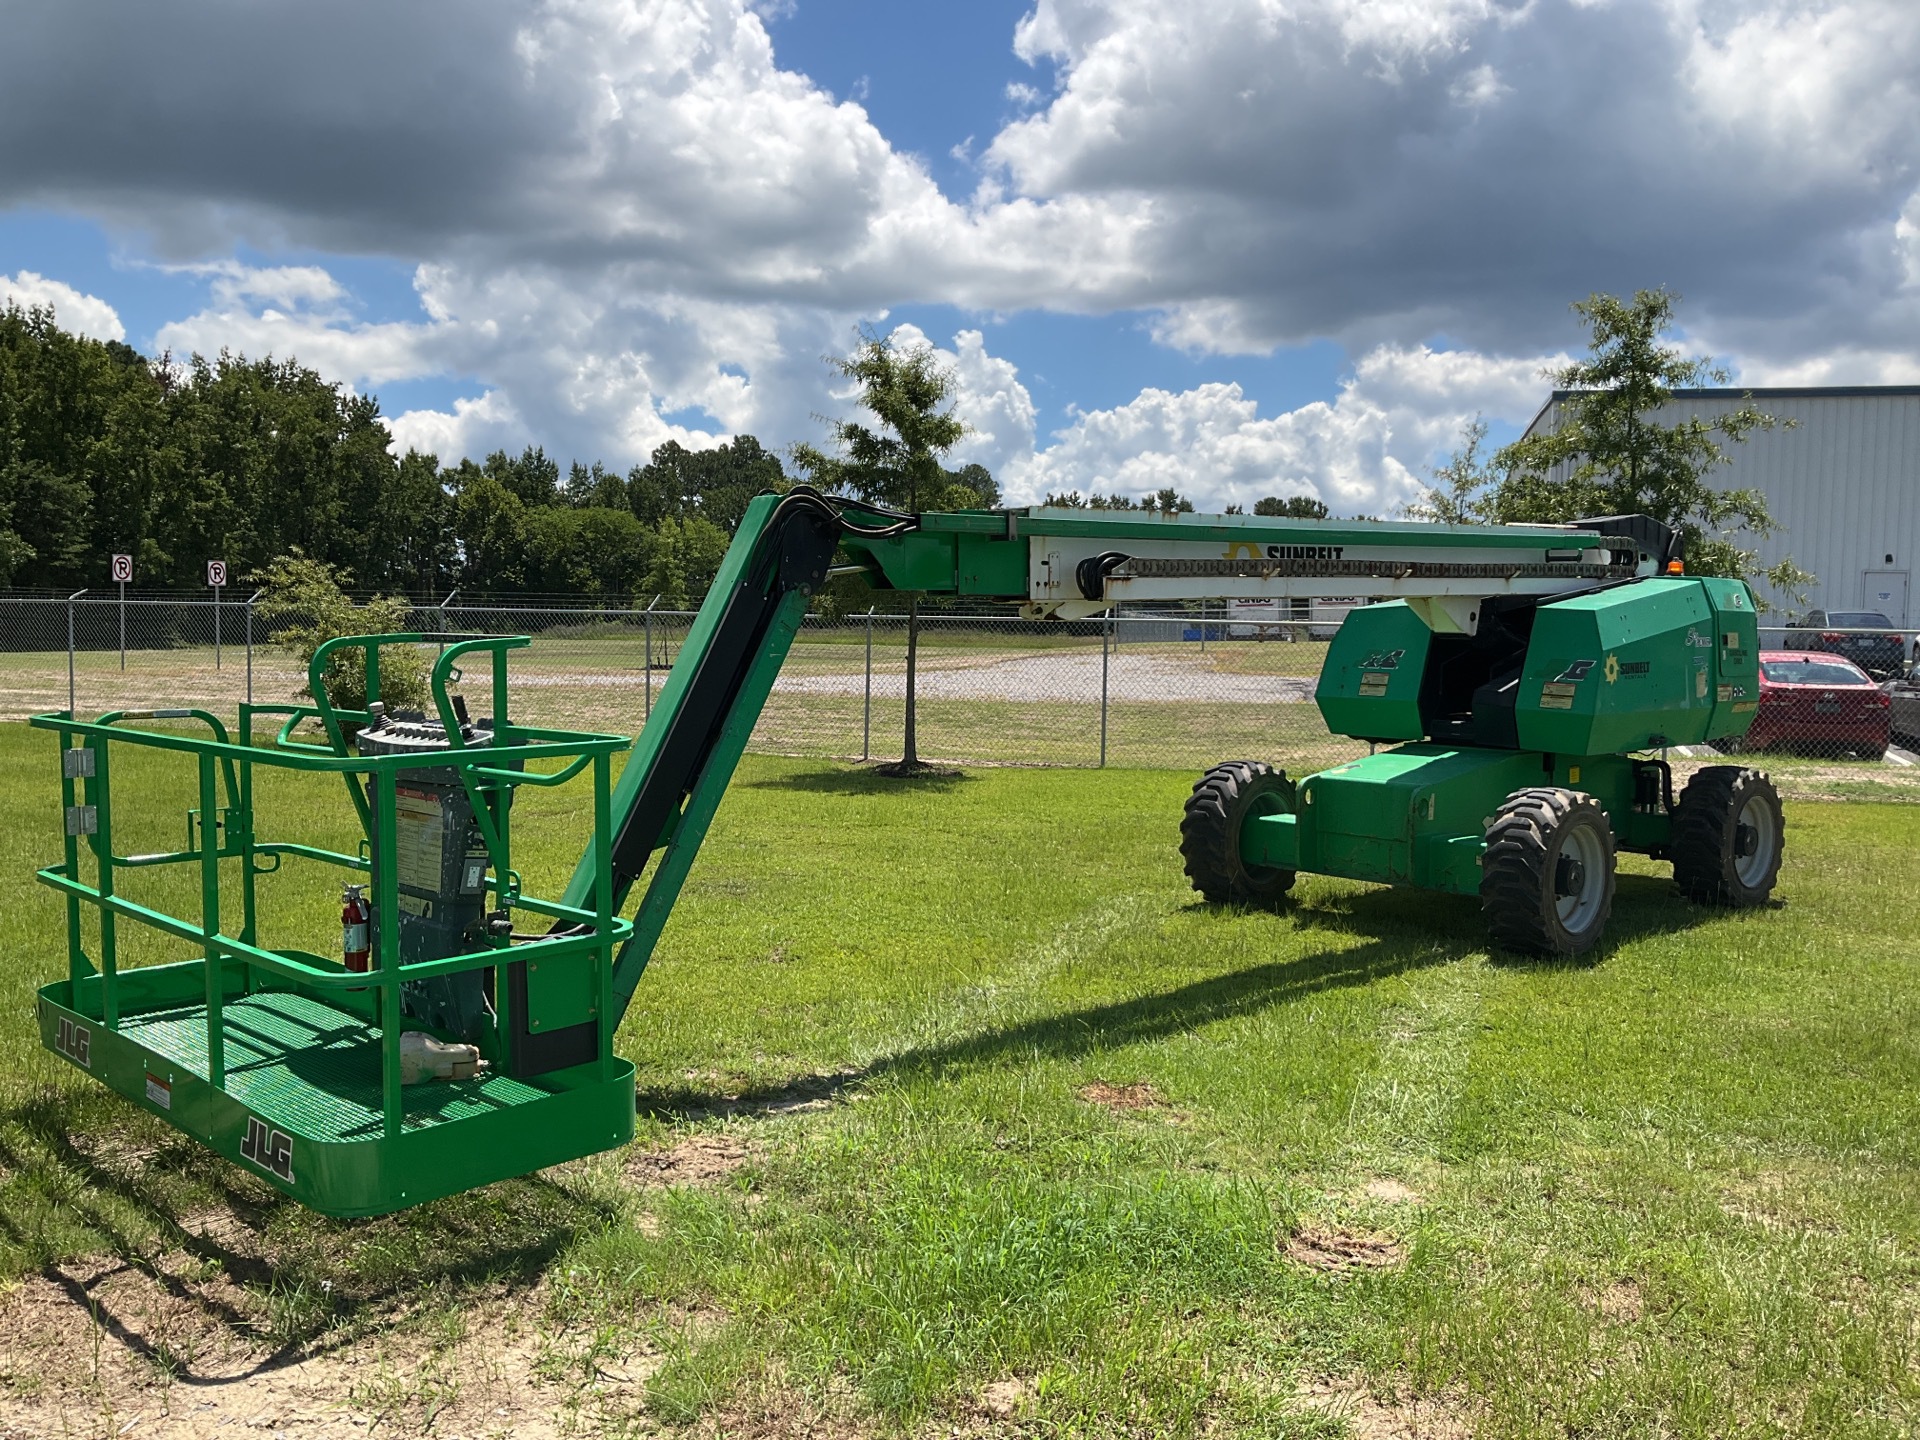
(693, 740)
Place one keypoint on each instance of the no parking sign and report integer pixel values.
(217, 579)
(123, 569)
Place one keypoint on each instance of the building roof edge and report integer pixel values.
(1767, 392)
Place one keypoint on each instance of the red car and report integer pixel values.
(1821, 702)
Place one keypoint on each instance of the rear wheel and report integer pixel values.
(1225, 798)
(1728, 834)
(1547, 877)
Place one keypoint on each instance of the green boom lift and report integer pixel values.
(1522, 677)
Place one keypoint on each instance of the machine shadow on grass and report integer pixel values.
(282, 1281)
(861, 780)
(1644, 906)
(1070, 1033)
(1402, 933)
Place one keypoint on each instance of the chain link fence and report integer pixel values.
(1838, 714)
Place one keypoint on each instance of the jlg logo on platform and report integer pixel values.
(271, 1150)
(75, 1042)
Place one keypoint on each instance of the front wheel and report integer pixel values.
(1225, 798)
(1547, 877)
(1728, 834)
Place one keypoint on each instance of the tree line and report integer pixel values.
(106, 451)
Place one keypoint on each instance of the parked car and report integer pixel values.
(1903, 707)
(1834, 631)
(1817, 701)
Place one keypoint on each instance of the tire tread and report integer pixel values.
(1514, 880)
(1702, 845)
(1210, 835)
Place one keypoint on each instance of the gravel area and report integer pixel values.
(1072, 678)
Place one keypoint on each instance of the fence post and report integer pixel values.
(647, 707)
(1111, 628)
(250, 599)
(441, 611)
(70, 685)
(866, 714)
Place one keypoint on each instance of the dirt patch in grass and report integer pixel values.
(1139, 1096)
(1778, 1200)
(174, 1350)
(1336, 1252)
(1003, 1398)
(1620, 1301)
(1385, 1416)
(702, 1159)
(709, 1100)
(1391, 1192)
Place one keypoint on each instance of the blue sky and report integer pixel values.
(933, 77)
(1242, 247)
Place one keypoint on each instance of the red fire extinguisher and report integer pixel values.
(355, 929)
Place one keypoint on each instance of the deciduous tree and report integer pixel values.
(1612, 453)
(895, 463)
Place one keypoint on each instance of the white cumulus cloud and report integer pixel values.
(1363, 453)
(83, 314)
(988, 396)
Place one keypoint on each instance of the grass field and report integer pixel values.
(960, 1114)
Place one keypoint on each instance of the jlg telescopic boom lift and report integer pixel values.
(1522, 676)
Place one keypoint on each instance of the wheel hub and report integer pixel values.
(1746, 840)
(1569, 876)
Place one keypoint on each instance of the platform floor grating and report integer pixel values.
(313, 1069)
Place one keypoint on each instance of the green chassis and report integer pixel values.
(1417, 815)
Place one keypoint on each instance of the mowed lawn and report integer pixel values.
(959, 1110)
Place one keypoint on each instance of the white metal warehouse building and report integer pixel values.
(1844, 485)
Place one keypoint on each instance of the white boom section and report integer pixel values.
(1440, 570)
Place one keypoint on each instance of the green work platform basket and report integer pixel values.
(288, 1063)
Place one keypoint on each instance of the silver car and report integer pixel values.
(1904, 695)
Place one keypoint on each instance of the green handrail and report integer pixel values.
(206, 717)
(443, 672)
(577, 741)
